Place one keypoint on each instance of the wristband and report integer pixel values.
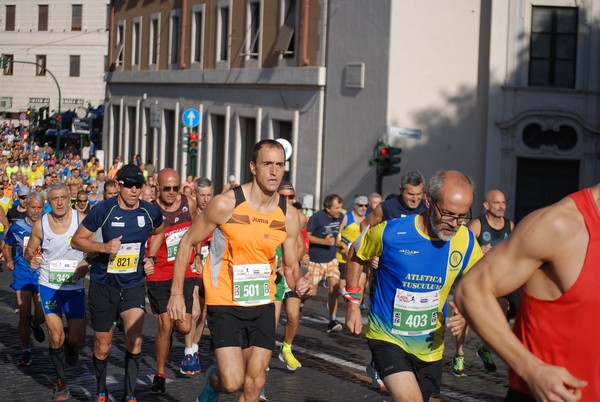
(352, 294)
(153, 258)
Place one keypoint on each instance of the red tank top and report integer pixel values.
(176, 224)
(562, 332)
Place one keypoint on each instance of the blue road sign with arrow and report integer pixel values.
(190, 118)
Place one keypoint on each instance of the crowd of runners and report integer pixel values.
(235, 260)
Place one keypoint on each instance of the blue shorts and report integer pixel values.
(58, 301)
(25, 280)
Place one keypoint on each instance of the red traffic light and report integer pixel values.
(58, 118)
(194, 136)
(383, 151)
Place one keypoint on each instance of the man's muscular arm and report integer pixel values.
(527, 256)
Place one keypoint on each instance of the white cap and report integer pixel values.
(232, 177)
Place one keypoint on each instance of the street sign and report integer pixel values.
(287, 147)
(22, 116)
(190, 118)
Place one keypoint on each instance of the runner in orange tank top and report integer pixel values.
(248, 224)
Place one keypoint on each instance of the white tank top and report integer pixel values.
(59, 258)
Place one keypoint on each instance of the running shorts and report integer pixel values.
(242, 326)
(71, 302)
(108, 302)
(159, 293)
(320, 270)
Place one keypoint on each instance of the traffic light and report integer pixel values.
(194, 144)
(4, 61)
(391, 160)
(58, 121)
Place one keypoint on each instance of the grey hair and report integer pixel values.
(57, 186)
(34, 195)
(202, 182)
(437, 181)
(412, 178)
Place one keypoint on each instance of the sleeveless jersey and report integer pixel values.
(489, 235)
(414, 278)
(59, 259)
(561, 332)
(240, 267)
(18, 237)
(176, 224)
(394, 208)
(350, 233)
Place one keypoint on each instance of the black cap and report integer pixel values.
(130, 174)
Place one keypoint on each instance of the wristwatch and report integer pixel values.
(153, 258)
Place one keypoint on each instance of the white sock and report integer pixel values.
(189, 351)
(194, 347)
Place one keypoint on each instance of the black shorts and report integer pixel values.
(516, 396)
(107, 302)
(160, 292)
(242, 326)
(390, 359)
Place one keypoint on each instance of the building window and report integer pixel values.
(120, 53)
(74, 66)
(285, 44)
(40, 65)
(174, 39)
(135, 43)
(8, 66)
(154, 35)
(10, 18)
(76, 17)
(223, 34)
(43, 17)
(197, 35)
(553, 48)
(253, 21)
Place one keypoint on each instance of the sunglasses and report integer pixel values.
(136, 185)
(168, 189)
(288, 197)
(81, 200)
(363, 205)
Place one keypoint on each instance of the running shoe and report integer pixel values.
(334, 326)
(62, 393)
(187, 365)
(102, 397)
(71, 354)
(158, 384)
(288, 358)
(38, 332)
(130, 398)
(458, 367)
(376, 381)
(196, 357)
(263, 396)
(208, 394)
(486, 357)
(25, 358)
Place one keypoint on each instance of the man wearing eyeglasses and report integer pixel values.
(178, 212)
(420, 257)
(119, 268)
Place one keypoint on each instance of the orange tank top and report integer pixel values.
(240, 268)
(561, 332)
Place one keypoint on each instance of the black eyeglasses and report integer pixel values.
(136, 185)
(363, 205)
(288, 196)
(168, 189)
(449, 218)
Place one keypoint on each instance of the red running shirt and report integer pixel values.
(562, 332)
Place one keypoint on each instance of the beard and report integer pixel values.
(438, 231)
